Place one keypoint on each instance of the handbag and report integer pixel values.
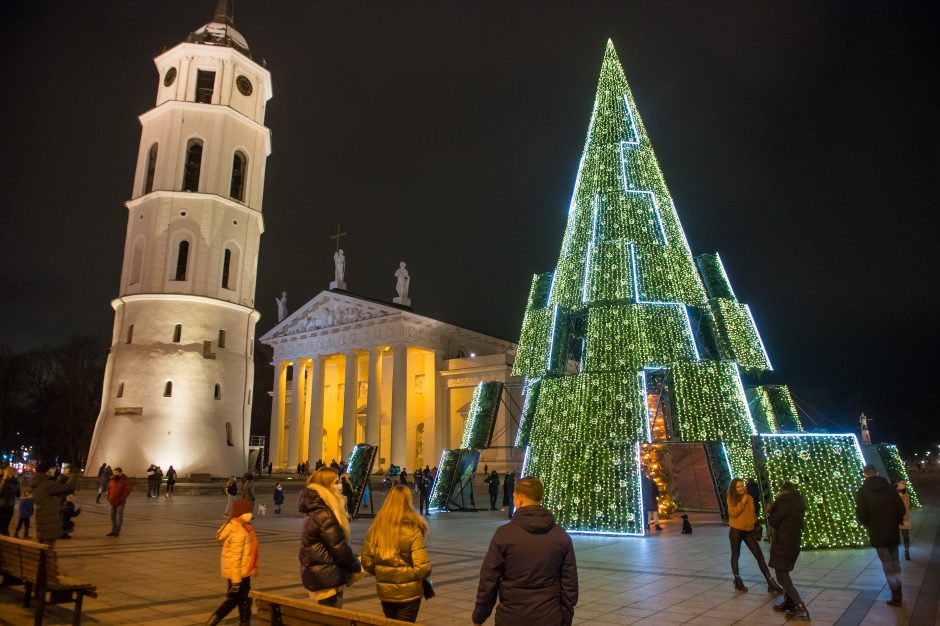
(428, 587)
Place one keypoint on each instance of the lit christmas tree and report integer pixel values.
(632, 341)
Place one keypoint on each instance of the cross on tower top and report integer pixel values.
(338, 236)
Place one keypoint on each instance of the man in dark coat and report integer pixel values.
(785, 516)
(48, 495)
(651, 501)
(880, 509)
(530, 566)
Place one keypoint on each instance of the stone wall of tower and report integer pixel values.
(177, 385)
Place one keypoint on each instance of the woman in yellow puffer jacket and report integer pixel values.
(742, 519)
(239, 563)
(395, 554)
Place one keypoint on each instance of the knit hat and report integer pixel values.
(240, 507)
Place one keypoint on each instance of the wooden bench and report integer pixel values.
(281, 611)
(34, 566)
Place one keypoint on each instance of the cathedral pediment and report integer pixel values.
(328, 310)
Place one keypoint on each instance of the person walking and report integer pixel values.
(104, 475)
(118, 490)
(493, 481)
(239, 563)
(394, 552)
(424, 491)
(530, 566)
(248, 489)
(786, 518)
(879, 508)
(278, 498)
(170, 481)
(403, 477)
(509, 484)
(151, 472)
(651, 502)
(231, 490)
(347, 491)
(48, 495)
(9, 492)
(906, 522)
(25, 513)
(327, 561)
(742, 521)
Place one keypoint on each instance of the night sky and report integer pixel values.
(799, 140)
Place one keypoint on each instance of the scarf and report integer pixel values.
(337, 504)
(253, 538)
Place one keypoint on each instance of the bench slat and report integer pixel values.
(294, 611)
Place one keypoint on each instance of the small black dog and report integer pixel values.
(686, 525)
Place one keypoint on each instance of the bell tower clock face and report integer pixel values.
(244, 85)
(169, 77)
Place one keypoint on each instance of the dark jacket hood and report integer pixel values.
(534, 519)
(876, 483)
(310, 500)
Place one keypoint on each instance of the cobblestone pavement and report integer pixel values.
(164, 569)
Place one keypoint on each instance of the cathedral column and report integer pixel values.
(350, 394)
(441, 408)
(374, 401)
(399, 448)
(277, 417)
(297, 415)
(315, 436)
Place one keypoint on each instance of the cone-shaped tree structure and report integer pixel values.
(629, 313)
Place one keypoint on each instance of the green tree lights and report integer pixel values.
(626, 305)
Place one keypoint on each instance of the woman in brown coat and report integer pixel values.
(395, 554)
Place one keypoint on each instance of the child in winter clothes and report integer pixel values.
(278, 497)
(69, 510)
(239, 563)
(26, 513)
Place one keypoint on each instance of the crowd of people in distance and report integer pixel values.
(529, 571)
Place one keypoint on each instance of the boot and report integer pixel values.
(773, 586)
(798, 613)
(895, 598)
(907, 554)
(213, 620)
(786, 605)
(739, 584)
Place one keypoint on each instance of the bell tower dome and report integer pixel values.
(177, 382)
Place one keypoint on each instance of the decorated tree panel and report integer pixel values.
(896, 471)
(827, 471)
(481, 418)
(737, 334)
(713, 275)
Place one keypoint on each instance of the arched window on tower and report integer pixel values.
(226, 268)
(151, 168)
(217, 394)
(239, 170)
(193, 165)
(182, 260)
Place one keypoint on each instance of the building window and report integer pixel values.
(205, 84)
(137, 260)
(239, 168)
(130, 333)
(151, 168)
(226, 267)
(217, 393)
(177, 333)
(120, 391)
(182, 260)
(193, 165)
(168, 389)
(228, 434)
(221, 338)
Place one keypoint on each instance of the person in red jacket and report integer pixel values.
(119, 487)
(530, 567)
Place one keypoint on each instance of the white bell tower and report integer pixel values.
(177, 385)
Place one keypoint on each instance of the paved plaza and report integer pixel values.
(164, 569)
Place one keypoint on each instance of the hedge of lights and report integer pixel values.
(628, 337)
(713, 275)
(827, 471)
(896, 471)
(481, 418)
(444, 481)
(527, 416)
(737, 335)
(784, 408)
(762, 409)
(361, 462)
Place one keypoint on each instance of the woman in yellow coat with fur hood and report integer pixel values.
(239, 563)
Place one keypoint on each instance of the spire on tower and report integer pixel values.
(223, 13)
(221, 30)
